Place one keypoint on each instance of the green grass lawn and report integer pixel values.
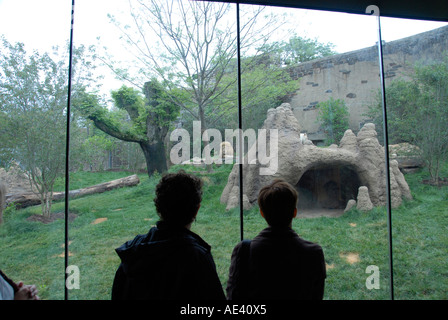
(33, 252)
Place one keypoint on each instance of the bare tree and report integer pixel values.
(192, 46)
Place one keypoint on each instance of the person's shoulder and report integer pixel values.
(196, 243)
(243, 243)
(135, 241)
(309, 245)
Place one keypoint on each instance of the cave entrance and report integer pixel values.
(325, 190)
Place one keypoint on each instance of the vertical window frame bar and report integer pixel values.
(386, 154)
(67, 150)
(240, 122)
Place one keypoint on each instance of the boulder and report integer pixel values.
(16, 180)
(407, 155)
(364, 204)
(234, 200)
(350, 204)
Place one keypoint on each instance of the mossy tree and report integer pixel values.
(144, 118)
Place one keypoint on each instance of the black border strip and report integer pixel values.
(435, 10)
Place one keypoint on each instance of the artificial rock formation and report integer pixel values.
(364, 203)
(325, 177)
(350, 204)
(15, 180)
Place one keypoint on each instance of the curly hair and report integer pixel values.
(278, 201)
(178, 196)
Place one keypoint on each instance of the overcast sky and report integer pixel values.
(40, 24)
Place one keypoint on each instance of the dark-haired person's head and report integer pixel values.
(178, 198)
(277, 202)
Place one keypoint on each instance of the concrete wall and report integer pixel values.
(355, 76)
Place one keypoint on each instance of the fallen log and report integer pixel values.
(28, 199)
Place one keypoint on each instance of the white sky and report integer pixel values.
(40, 24)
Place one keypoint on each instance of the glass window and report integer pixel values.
(233, 94)
(169, 90)
(327, 149)
(33, 104)
(415, 65)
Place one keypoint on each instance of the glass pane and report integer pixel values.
(167, 94)
(317, 86)
(33, 100)
(416, 69)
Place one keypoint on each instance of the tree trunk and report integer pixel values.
(203, 128)
(31, 199)
(46, 206)
(155, 156)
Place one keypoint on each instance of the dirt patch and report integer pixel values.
(62, 255)
(317, 213)
(350, 257)
(99, 220)
(53, 217)
(69, 243)
(442, 182)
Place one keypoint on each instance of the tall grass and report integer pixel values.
(33, 252)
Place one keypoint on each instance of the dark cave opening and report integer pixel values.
(327, 187)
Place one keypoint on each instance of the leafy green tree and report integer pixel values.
(94, 149)
(149, 117)
(297, 50)
(33, 101)
(333, 116)
(263, 86)
(402, 102)
(417, 113)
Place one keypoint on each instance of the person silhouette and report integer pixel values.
(277, 263)
(170, 261)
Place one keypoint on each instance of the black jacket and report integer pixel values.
(167, 263)
(281, 265)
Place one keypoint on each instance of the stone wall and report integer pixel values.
(355, 77)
